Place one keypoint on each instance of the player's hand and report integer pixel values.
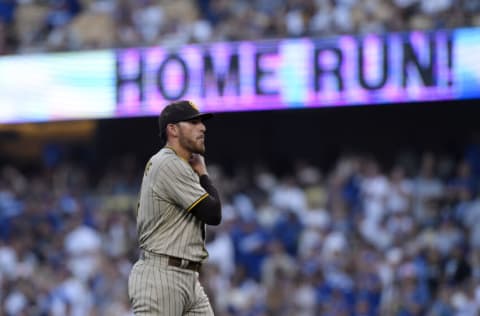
(198, 164)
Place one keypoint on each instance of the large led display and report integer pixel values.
(37, 88)
(243, 76)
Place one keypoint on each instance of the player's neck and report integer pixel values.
(179, 151)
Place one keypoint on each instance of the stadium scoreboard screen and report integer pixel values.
(243, 76)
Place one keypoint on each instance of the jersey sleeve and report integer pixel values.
(177, 183)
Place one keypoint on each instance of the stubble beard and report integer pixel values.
(193, 146)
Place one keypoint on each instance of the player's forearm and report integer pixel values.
(209, 210)
(207, 184)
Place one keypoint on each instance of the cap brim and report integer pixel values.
(202, 116)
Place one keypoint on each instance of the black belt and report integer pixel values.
(174, 261)
(185, 264)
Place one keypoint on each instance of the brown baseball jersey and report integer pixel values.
(170, 189)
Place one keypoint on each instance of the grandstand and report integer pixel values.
(60, 25)
(371, 208)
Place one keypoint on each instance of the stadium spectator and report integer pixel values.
(388, 250)
(64, 25)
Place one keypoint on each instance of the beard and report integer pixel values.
(195, 146)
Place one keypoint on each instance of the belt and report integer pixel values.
(173, 261)
(185, 264)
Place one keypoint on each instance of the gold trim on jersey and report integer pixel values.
(200, 199)
(168, 147)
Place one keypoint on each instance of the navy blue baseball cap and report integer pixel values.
(179, 111)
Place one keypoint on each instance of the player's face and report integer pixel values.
(192, 136)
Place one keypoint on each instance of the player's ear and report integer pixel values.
(172, 129)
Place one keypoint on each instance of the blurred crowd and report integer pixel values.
(355, 239)
(28, 26)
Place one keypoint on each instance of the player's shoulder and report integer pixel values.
(167, 158)
(165, 153)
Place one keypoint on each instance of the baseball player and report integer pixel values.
(177, 199)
